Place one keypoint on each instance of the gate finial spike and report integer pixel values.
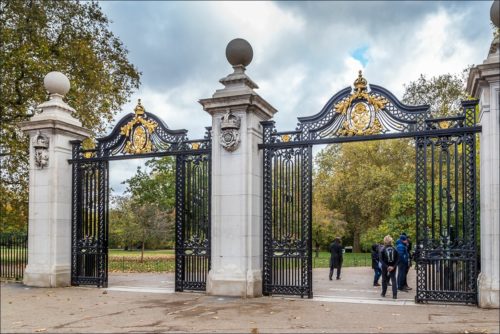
(139, 109)
(360, 84)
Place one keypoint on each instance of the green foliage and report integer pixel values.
(42, 36)
(327, 224)
(443, 93)
(401, 218)
(357, 180)
(145, 215)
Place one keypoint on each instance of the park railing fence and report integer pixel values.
(13, 255)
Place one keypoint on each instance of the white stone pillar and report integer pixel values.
(237, 231)
(484, 83)
(49, 231)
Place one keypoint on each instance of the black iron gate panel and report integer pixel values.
(287, 220)
(192, 228)
(447, 227)
(446, 203)
(89, 248)
(141, 135)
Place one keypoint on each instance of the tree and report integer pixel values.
(358, 179)
(67, 36)
(152, 201)
(401, 218)
(124, 230)
(327, 224)
(443, 93)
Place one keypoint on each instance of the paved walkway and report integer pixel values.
(147, 303)
(356, 286)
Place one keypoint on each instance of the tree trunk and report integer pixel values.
(356, 246)
(317, 250)
(142, 248)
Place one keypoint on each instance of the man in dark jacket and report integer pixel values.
(336, 257)
(389, 258)
(410, 258)
(375, 264)
(401, 247)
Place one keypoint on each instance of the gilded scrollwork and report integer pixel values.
(360, 110)
(138, 132)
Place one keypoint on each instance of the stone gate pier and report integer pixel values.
(484, 84)
(237, 232)
(49, 233)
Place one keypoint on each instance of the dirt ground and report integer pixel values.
(143, 303)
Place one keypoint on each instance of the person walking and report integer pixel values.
(389, 259)
(410, 257)
(401, 247)
(336, 257)
(376, 264)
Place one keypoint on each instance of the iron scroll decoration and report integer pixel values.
(143, 133)
(446, 221)
(361, 111)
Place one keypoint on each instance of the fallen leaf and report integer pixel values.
(105, 292)
(396, 314)
(41, 330)
(254, 331)
(215, 318)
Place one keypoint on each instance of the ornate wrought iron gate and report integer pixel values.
(192, 252)
(287, 219)
(89, 256)
(447, 228)
(141, 135)
(446, 203)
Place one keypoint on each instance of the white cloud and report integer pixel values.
(263, 23)
(302, 50)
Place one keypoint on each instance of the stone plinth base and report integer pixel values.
(489, 293)
(244, 287)
(47, 277)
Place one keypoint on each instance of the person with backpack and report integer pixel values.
(389, 258)
(401, 247)
(336, 257)
(375, 264)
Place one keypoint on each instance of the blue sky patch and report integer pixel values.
(360, 54)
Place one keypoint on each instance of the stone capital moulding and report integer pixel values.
(40, 143)
(230, 131)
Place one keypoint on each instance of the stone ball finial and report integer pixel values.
(239, 52)
(495, 13)
(56, 83)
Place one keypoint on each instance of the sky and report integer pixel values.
(304, 52)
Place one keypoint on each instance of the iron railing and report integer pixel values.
(13, 255)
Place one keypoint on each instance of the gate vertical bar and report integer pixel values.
(268, 210)
(179, 223)
(421, 214)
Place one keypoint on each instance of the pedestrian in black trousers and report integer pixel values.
(336, 257)
(389, 258)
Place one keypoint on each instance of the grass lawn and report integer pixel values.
(163, 260)
(350, 260)
(137, 252)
